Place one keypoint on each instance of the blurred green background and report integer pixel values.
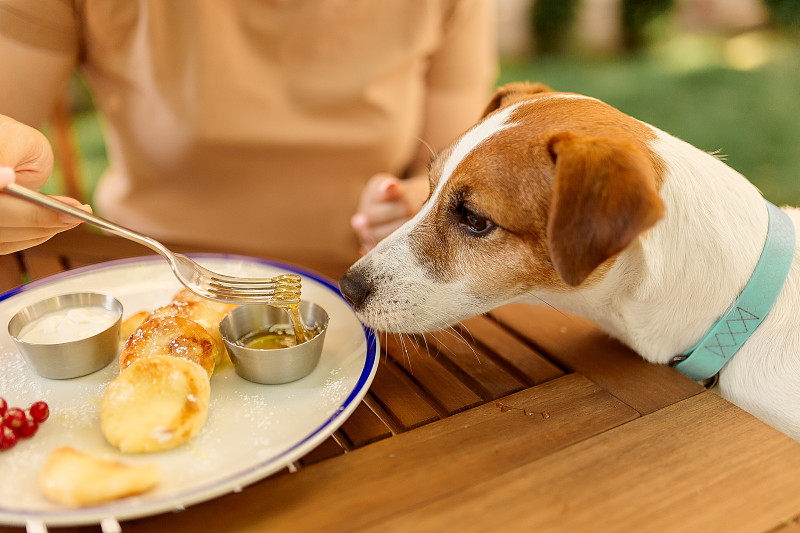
(731, 87)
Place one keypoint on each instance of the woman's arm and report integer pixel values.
(459, 82)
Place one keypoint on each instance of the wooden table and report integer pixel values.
(526, 420)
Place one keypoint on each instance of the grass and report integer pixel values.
(735, 96)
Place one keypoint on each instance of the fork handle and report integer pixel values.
(57, 205)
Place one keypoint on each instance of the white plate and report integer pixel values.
(252, 430)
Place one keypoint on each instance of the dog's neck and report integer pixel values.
(667, 289)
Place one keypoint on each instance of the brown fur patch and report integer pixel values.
(509, 178)
(603, 198)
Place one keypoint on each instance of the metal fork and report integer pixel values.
(283, 289)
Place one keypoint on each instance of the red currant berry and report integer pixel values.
(3, 407)
(27, 429)
(7, 438)
(39, 411)
(14, 419)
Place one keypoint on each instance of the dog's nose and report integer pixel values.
(355, 287)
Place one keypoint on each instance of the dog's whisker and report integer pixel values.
(404, 349)
(425, 342)
(444, 327)
(453, 332)
(551, 306)
(428, 146)
(465, 328)
(464, 340)
(386, 343)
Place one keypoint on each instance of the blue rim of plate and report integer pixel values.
(72, 517)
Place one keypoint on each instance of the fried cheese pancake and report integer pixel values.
(155, 404)
(76, 479)
(171, 335)
(130, 324)
(202, 312)
(185, 295)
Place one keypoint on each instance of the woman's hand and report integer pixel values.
(386, 204)
(27, 159)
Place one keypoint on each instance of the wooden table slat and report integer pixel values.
(523, 361)
(474, 364)
(82, 261)
(581, 489)
(327, 449)
(11, 273)
(364, 427)
(451, 394)
(577, 344)
(398, 398)
(41, 265)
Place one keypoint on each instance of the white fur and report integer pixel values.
(412, 294)
(466, 144)
(660, 298)
(662, 293)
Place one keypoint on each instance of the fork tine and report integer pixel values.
(244, 286)
(269, 284)
(284, 288)
(218, 289)
(279, 279)
(260, 297)
(237, 299)
(222, 280)
(243, 283)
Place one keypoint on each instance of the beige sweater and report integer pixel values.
(253, 125)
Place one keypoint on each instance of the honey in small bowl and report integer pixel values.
(262, 342)
(276, 337)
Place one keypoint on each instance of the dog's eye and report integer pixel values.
(473, 221)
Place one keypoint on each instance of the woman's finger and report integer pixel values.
(384, 212)
(18, 213)
(11, 246)
(27, 151)
(369, 236)
(6, 176)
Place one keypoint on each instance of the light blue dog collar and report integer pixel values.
(728, 334)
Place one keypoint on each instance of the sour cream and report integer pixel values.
(66, 325)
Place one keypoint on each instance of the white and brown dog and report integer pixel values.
(560, 198)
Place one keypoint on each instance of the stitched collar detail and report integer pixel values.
(724, 339)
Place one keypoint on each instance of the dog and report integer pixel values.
(560, 198)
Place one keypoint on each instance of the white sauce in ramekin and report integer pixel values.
(66, 325)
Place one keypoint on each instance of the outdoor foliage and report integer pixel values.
(635, 17)
(785, 14)
(551, 22)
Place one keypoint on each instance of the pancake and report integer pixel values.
(130, 324)
(175, 336)
(197, 311)
(76, 479)
(155, 404)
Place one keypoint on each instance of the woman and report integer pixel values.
(258, 126)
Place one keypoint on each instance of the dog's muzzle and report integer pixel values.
(355, 287)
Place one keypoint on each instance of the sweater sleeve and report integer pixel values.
(39, 43)
(462, 71)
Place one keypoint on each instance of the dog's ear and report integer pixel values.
(513, 92)
(604, 196)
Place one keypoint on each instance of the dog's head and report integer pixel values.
(541, 195)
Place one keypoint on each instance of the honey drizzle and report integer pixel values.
(289, 289)
(295, 319)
